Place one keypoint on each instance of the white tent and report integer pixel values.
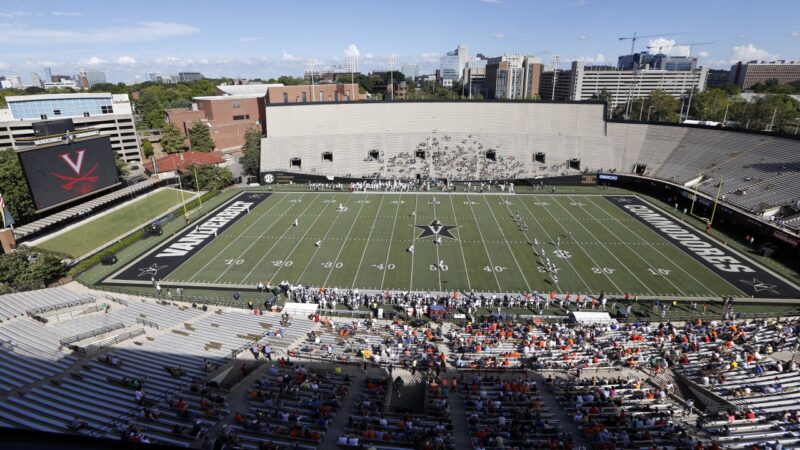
(590, 317)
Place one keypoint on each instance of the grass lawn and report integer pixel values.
(96, 232)
(593, 244)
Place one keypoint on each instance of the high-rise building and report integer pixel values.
(584, 82)
(13, 82)
(749, 73)
(48, 75)
(658, 61)
(411, 71)
(452, 64)
(110, 114)
(184, 77)
(36, 81)
(513, 76)
(87, 79)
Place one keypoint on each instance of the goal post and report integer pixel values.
(708, 220)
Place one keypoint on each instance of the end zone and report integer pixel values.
(163, 259)
(742, 273)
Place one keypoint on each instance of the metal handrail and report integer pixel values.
(79, 337)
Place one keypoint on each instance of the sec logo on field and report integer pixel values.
(269, 178)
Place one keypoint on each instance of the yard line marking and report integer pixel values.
(549, 238)
(502, 233)
(389, 250)
(344, 244)
(638, 255)
(278, 240)
(324, 238)
(222, 252)
(480, 233)
(460, 244)
(413, 243)
(681, 268)
(374, 221)
(606, 249)
(438, 258)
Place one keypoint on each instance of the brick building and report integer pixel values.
(240, 107)
(749, 73)
(227, 116)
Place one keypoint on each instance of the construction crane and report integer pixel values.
(636, 37)
(691, 45)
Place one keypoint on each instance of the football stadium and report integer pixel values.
(418, 275)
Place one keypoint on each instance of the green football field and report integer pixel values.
(96, 232)
(593, 244)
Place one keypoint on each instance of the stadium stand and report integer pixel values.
(309, 381)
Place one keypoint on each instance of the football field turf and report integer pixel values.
(593, 243)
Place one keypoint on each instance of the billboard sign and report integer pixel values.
(67, 171)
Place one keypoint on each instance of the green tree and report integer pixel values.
(710, 105)
(33, 90)
(172, 140)
(122, 166)
(147, 148)
(200, 137)
(209, 178)
(15, 189)
(29, 268)
(154, 119)
(251, 150)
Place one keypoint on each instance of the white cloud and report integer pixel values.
(249, 39)
(369, 56)
(741, 36)
(583, 37)
(352, 51)
(126, 60)
(581, 3)
(3, 66)
(93, 61)
(430, 56)
(288, 56)
(66, 14)
(139, 32)
(500, 36)
(597, 59)
(493, 2)
(667, 47)
(12, 14)
(703, 54)
(749, 52)
(795, 33)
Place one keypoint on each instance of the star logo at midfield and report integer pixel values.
(624, 200)
(151, 271)
(759, 286)
(436, 228)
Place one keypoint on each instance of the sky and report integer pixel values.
(263, 39)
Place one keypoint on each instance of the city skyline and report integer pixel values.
(263, 40)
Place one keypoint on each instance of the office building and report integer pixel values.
(452, 64)
(185, 77)
(48, 75)
(66, 83)
(747, 74)
(658, 61)
(154, 77)
(514, 77)
(584, 82)
(410, 71)
(110, 114)
(36, 81)
(88, 78)
(12, 82)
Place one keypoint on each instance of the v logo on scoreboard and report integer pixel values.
(74, 165)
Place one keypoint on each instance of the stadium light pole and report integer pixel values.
(392, 62)
(352, 62)
(310, 64)
(556, 60)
